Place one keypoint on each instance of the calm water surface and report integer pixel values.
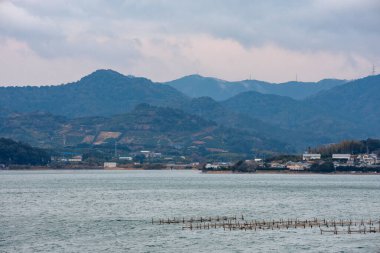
(110, 211)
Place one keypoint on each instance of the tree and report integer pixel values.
(325, 167)
(245, 166)
(12, 152)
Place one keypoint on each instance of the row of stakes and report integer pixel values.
(240, 223)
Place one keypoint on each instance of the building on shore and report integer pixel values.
(110, 165)
(342, 157)
(296, 166)
(150, 154)
(308, 157)
(74, 159)
(126, 158)
(370, 159)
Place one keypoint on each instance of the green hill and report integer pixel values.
(161, 129)
(105, 101)
(357, 102)
(104, 92)
(349, 111)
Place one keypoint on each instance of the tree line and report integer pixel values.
(12, 152)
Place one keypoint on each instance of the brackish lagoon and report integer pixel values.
(111, 211)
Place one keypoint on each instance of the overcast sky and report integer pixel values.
(57, 41)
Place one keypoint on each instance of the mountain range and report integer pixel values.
(104, 92)
(147, 127)
(245, 117)
(199, 86)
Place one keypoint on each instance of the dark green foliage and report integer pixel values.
(245, 166)
(371, 169)
(324, 167)
(96, 156)
(12, 152)
(156, 166)
(139, 158)
(350, 147)
(159, 129)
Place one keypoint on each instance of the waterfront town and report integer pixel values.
(307, 162)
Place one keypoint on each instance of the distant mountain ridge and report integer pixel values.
(346, 111)
(198, 86)
(104, 92)
(357, 102)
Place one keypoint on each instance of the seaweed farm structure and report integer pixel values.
(240, 223)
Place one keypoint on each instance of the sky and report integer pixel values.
(59, 41)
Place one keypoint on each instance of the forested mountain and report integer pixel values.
(104, 92)
(348, 111)
(146, 127)
(48, 116)
(357, 102)
(199, 86)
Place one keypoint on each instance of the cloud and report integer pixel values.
(164, 38)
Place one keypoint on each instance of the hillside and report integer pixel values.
(104, 92)
(210, 109)
(12, 152)
(350, 147)
(357, 102)
(146, 127)
(198, 86)
(315, 121)
(105, 101)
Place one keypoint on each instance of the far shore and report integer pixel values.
(284, 172)
(44, 168)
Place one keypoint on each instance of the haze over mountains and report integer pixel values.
(244, 117)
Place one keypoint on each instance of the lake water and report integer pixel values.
(111, 211)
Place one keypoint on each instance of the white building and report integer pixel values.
(307, 157)
(212, 166)
(150, 154)
(125, 158)
(110, 165)
(75, 159)
(341, 156)
(368, 159)
(295, 166)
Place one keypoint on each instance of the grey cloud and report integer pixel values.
(344, 26)
(59, 36)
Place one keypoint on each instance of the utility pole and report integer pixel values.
(373, 70)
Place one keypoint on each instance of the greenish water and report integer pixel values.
(110, 211)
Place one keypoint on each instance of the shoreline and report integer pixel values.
(216, 172)
(292, 173)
